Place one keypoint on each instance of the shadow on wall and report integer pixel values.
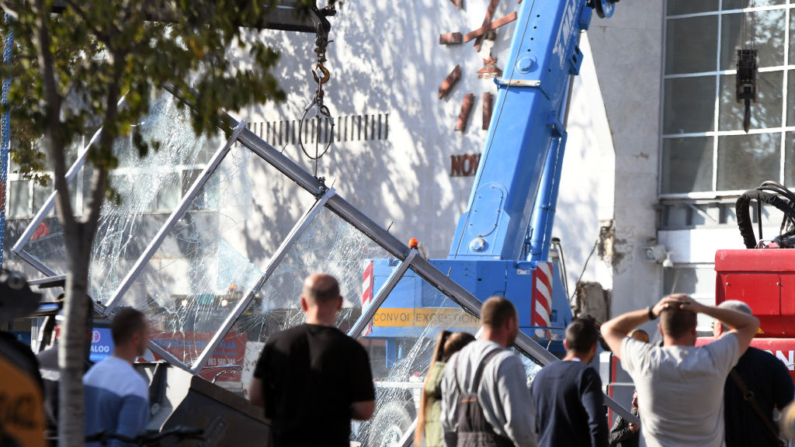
(385, 58)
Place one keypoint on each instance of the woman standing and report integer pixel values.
(429, 425)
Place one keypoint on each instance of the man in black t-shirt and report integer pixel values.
(313, 379)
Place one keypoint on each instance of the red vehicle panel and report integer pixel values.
(765, 280)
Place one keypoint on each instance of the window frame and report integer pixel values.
(787, 67)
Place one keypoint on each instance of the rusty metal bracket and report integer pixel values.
(502, 82)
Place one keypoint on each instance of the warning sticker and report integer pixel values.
(424, 317)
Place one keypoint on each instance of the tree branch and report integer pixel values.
(105, 145)
(54, 127)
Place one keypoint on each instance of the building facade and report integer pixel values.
(656, 154)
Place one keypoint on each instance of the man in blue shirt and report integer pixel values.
(117, 397)
(568, 394)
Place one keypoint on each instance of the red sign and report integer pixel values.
(187, 346)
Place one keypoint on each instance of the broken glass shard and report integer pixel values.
(400, 340)
(211, 260)
(327, 245)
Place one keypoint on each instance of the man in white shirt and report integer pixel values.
(680, 387)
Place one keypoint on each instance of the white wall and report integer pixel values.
(628, 57)
(587, 181)
(386, 58)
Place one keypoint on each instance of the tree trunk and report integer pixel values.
(70, 359)
(79, 238)
(71, 347)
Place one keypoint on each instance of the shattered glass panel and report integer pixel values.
(213, 257)
(328, 245)
(401, 340)
(531, 366)
(146, 188)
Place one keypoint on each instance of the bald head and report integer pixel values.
(321, 288)
(736, 305)
(739, 306)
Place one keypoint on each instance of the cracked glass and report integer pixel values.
(328, 244)
(145, 187)
(213, 259)
(400, 340)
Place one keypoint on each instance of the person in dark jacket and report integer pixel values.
(626, 434)
(768, 379)
(568, 394)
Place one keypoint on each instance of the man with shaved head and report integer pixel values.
(313, 379)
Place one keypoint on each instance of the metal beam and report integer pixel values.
(408, 437)
(50, 203)
(36, 263)
(167, 356)
(273, 263)
(383, 293)
(173, 218)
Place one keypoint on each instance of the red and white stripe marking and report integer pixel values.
(542, 298)
(367, 294)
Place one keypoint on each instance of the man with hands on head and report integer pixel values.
(680, 387)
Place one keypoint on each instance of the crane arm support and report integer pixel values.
(544, 55)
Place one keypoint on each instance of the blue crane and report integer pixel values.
(502, 241)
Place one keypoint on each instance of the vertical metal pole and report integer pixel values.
(382, 295)
(544, 212)
(547, 198)
(5, 144)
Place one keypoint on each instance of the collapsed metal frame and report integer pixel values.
(325, 198)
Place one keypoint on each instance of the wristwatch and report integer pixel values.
(651, 313)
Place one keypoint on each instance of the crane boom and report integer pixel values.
(529, 113)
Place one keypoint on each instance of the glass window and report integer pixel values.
(762, 29)
(789, 166)
(694, 94)
(687, 165)
(408, 330)
(202, 270)
(689, 105)
(149, 184)
(691, 44)
(791, 33)
(791, 97)
(740, 4)
(42, 193)
(745, 161)
(676, 7)
(168, 198)
(765, 112)
(19, 200)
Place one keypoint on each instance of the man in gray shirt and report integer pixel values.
(680, 386)
(502, 394)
